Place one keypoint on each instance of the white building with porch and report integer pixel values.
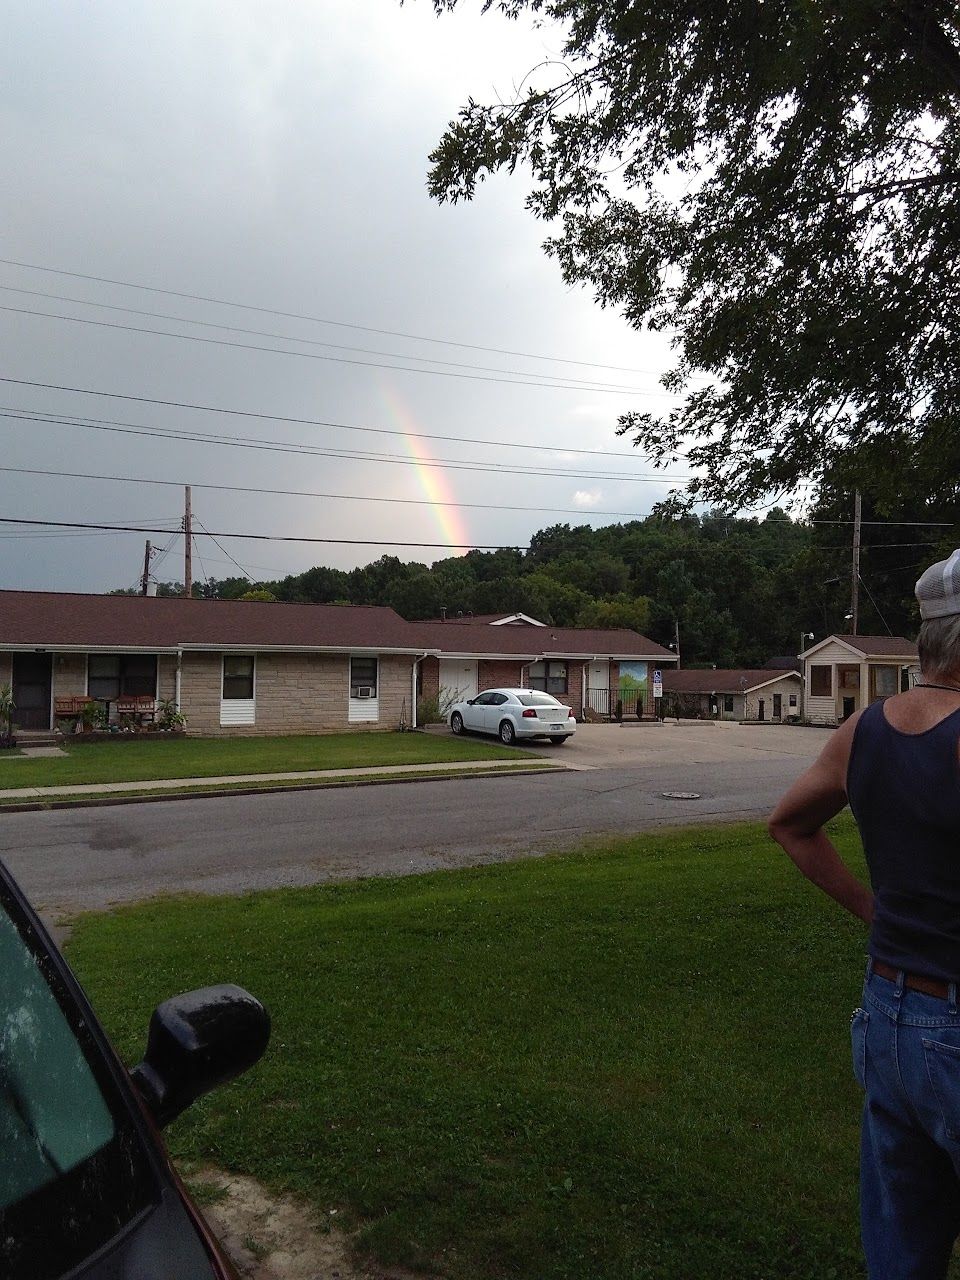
(844, 674)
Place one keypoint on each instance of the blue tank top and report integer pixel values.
(904, 790)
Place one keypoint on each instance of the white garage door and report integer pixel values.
(458, 679)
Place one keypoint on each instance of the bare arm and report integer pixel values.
(798, 820)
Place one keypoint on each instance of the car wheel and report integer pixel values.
(508, 733)
(456, 722)
(559, 739)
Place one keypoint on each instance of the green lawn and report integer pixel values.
(629, 1063)
(170, 757)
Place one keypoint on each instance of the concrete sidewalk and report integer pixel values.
(381, 772)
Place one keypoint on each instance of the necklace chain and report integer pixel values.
(953, 688)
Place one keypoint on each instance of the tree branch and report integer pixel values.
(903, 184)
(931, 44)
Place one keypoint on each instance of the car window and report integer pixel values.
(498, 699)
(483, 700)
(73, 1170)
(538, 700)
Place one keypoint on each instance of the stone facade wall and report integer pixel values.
(69, 675)
(166, 677)
(294, 692)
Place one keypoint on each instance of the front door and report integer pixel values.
(32, 674)
(598, 695)
(848, 689)
(458, 680)
(762, 710)
(778, 706)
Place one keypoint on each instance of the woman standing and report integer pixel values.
(897, 763)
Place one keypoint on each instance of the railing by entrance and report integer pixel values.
(615, 704)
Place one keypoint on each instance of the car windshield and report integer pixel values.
(538, 700)
(73, 1170)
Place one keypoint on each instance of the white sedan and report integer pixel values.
(514, 713)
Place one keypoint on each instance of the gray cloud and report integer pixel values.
(277, 154)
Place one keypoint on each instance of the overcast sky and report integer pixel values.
(275, 154)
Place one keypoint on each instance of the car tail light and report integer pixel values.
(571, 716)
(529, 714)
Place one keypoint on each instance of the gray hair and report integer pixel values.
(939, 645)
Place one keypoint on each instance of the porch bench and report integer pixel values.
(140, 705)
(70, 708)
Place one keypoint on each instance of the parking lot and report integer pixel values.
(643, 743)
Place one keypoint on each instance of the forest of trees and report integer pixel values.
(738, 590)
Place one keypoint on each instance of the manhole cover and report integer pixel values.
(681, 795)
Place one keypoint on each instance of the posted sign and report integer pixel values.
(658, 683)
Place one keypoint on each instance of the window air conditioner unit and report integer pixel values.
(364, 691)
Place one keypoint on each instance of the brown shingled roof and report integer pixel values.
(576, 642)
(51, 620)
(881, 646)
(729, 680)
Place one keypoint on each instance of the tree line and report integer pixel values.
(737, 590)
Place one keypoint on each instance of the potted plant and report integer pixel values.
(93, 715)
(169, 718)
(7, 707)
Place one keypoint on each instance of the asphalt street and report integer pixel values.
(85, 859)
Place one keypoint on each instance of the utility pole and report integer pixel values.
(187, 544)
(145, 580)
(676, 634)
(855, 594)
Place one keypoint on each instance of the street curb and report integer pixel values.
(106, 802)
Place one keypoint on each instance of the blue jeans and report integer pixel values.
(906, 1057)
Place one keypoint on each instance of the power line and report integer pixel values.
(890, 524)
(277, 573)
(874, 603)
(310, 422)
(222, 547)
(932, 524)
(203, 567)
(135, 522)
(160, 556)
(314, 342)
(315, 355)
(271, 537)
(304, 493)
(20, 537)
(876, 546)
(295, 315)
(427, 502)
(314, 451)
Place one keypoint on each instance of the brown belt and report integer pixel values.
(915, 981)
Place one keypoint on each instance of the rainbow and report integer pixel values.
(433, 480)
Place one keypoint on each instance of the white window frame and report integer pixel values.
(243, 711)
(364, 657)
(223, 663)
(362, 710)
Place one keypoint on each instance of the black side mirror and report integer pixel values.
(197, 1041)
(471, 701)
